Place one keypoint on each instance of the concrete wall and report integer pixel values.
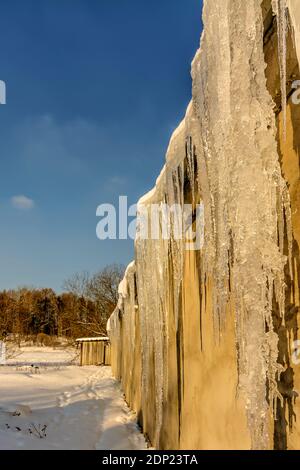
(194, 373)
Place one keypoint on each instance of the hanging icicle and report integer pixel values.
(280, 11)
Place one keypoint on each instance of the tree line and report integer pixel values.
(81, 310)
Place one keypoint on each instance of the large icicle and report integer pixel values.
(280, 10)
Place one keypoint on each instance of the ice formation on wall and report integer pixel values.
(281, 12)
(247, 200)
(225, 154)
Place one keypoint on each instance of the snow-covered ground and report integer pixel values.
(54, 405)
(47, 356)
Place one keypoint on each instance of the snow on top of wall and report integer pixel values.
(123, 286)
(174, 156)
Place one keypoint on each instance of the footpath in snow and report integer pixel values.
(64, 407)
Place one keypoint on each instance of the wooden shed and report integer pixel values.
(94, 351)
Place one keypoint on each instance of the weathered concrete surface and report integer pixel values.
(289, 150)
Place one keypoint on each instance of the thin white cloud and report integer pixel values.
(44, 144)
(22, 202)
(117, 180)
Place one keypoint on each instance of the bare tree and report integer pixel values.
(100, 291)
(77, 284)
(103, 286)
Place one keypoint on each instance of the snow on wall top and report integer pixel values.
(123, 286)
(174, 156)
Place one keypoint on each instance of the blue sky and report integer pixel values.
(94, 90)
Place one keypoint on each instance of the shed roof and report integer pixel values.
(90, 340)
